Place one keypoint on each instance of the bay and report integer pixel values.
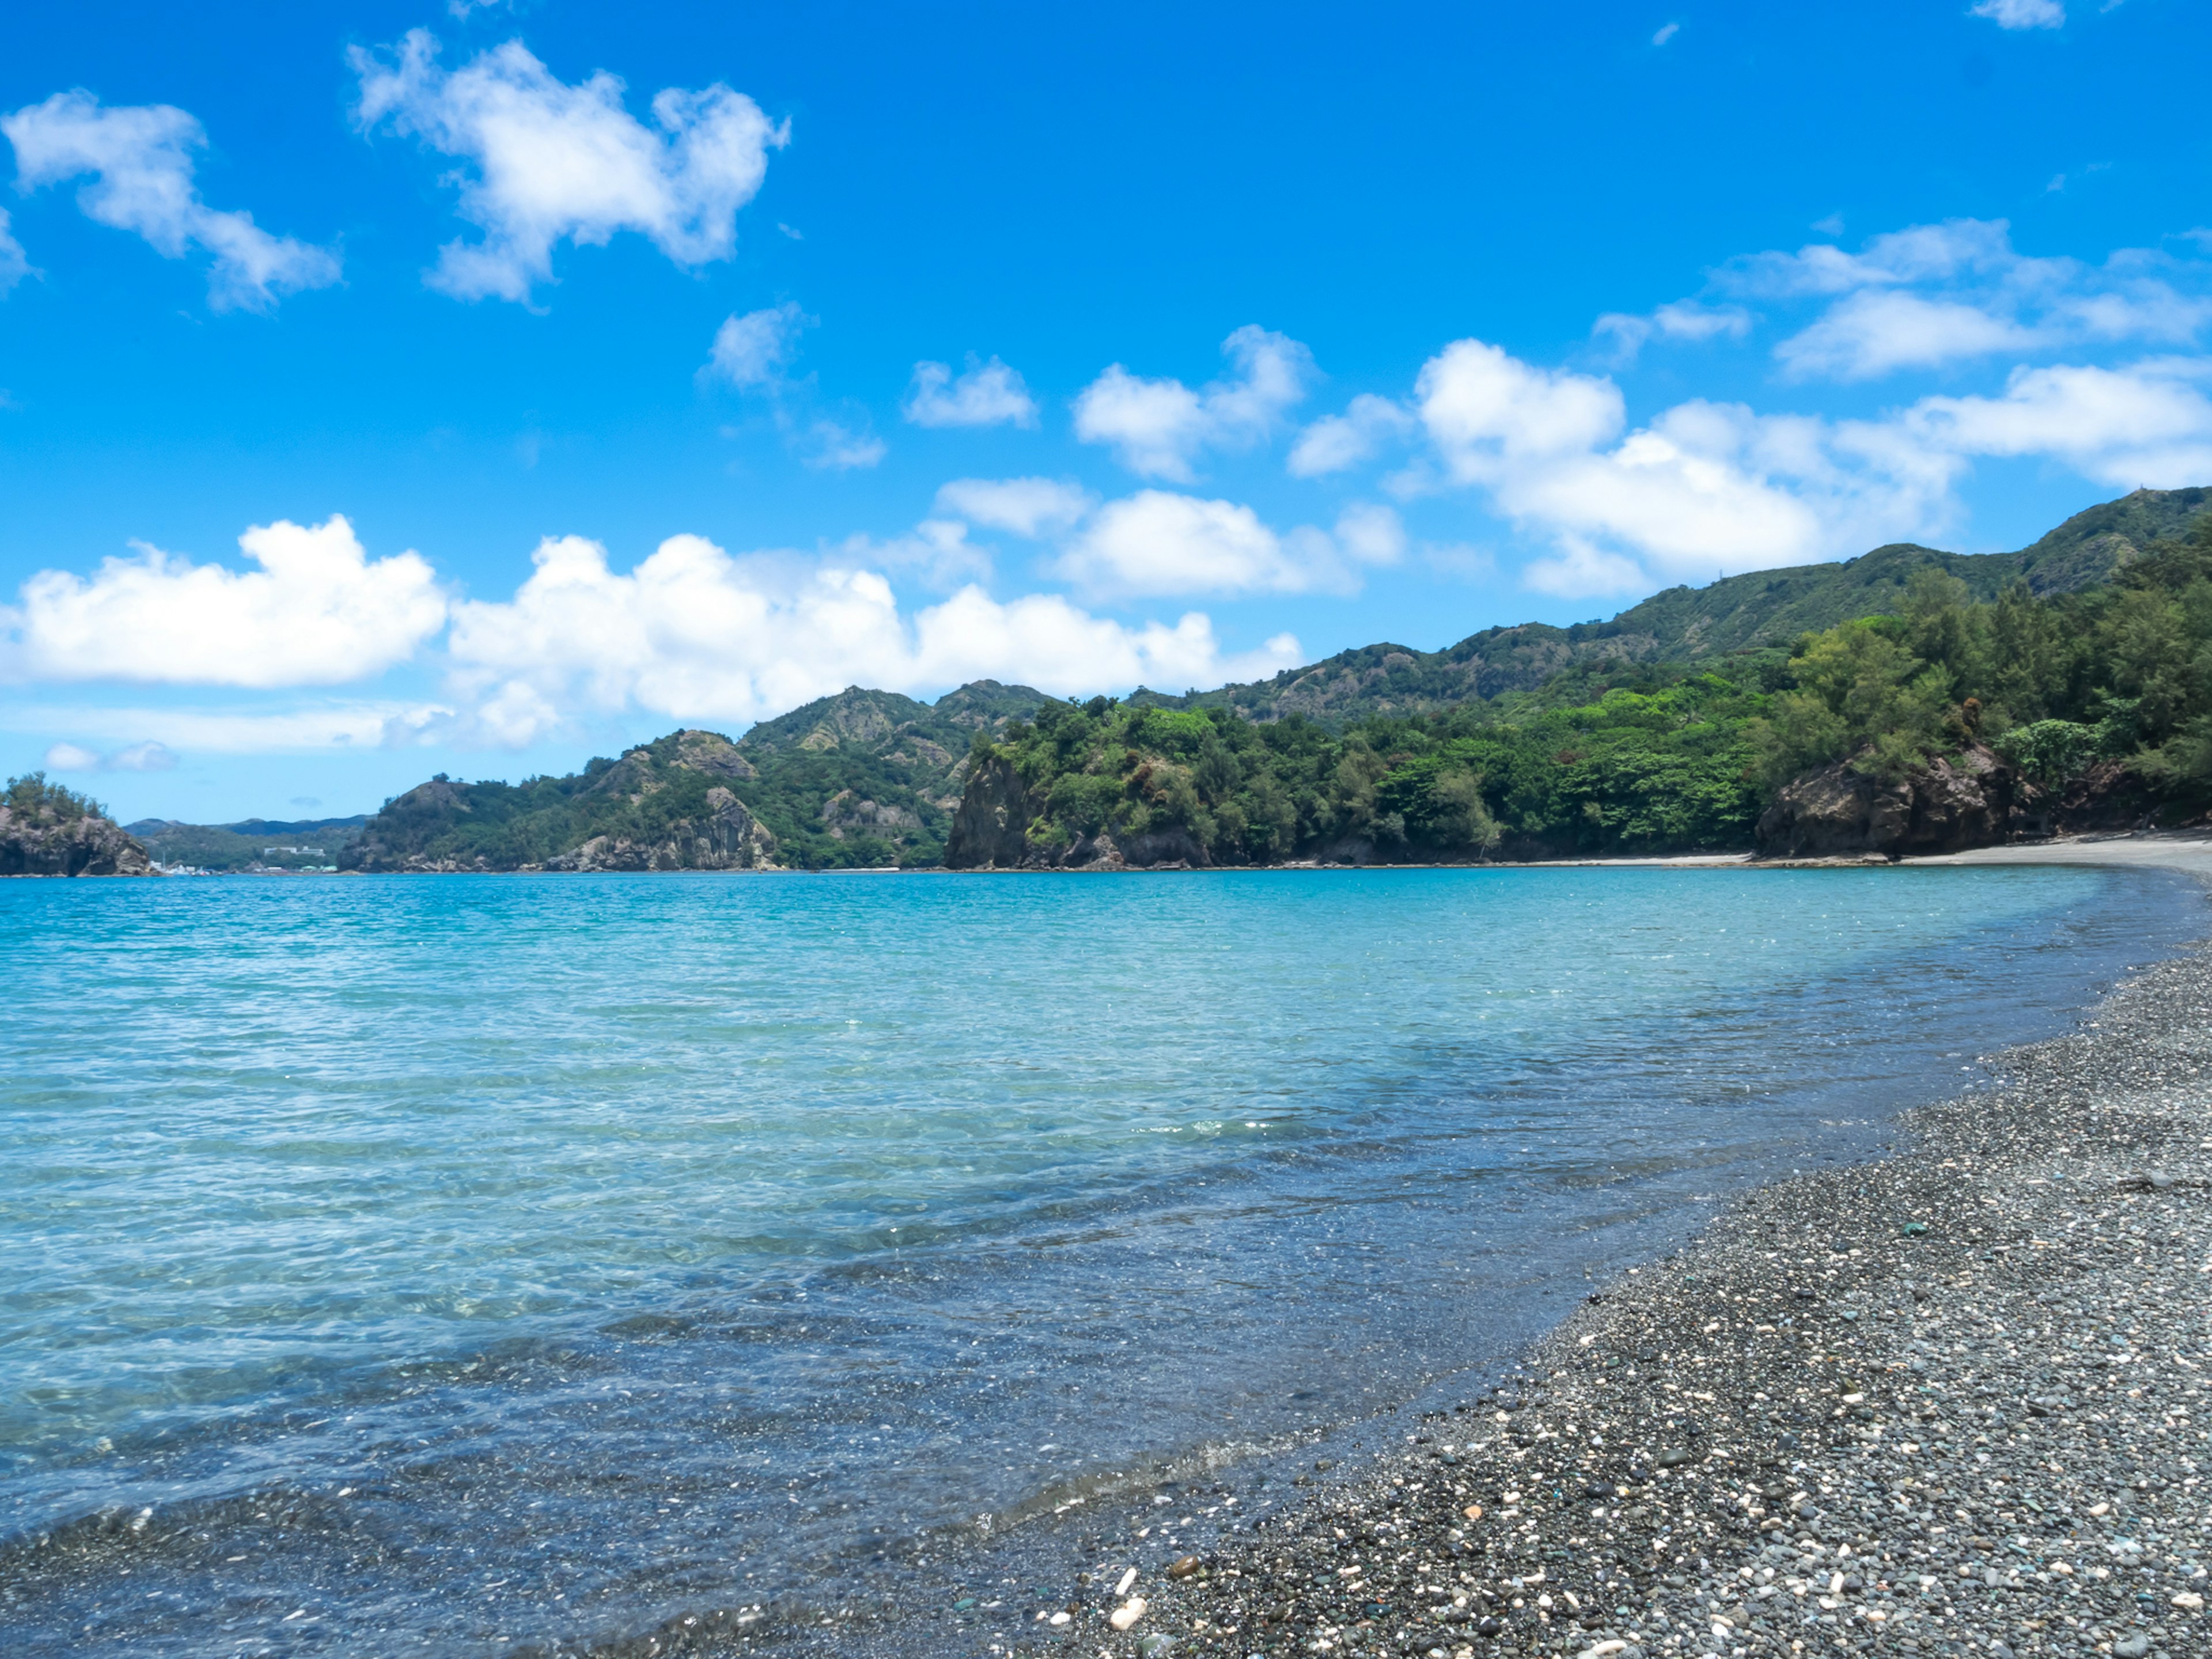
(456, 1262)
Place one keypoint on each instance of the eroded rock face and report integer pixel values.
(728, 838)
(990, 825)
(39, 846)
(1156, 849)
(1973, 800)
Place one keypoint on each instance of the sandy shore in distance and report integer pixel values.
(1954, 1402)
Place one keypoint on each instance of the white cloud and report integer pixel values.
(1680, 319)
(936, 551)
(1877, 332)
(1934, 295)
(692, 634)
(1026, 507)
(1156, 542)
(1703, 487)
(1370, 534)
(143, 756)
(2148, 423)
(14, 264)
(317, 611)
(832, 446)
(1666, 33)
(140, 158)
(2022, 14)
(751, 351)
(555, 162)
(1156, 429)
(988, 394)
(1337, 442)
(338, 726)
(1918, 253)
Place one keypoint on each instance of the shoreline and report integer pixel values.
(1954, 1401)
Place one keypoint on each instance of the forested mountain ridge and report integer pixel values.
(1947, 719)
(1674, 726)
(1760, 610)
(863, 778)
(251, 843)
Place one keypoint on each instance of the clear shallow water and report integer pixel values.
(454, 1262)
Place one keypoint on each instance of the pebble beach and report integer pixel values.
(1954, 1402)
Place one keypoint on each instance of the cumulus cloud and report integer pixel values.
(1372, 534)
(1024, 507)
(1877, 333)
(1157, 541)
(2147, 424)
(1935, 296)
(1336, 443)
(936, 552)
(988, 394)
(2022, 14)
(1158, 428)
(321, 727)
(140, 160)
(751, 351)
(1680, 320)
(1703, 487)
(547, 161)
(692, 634)
(143, 756)
(317, 611)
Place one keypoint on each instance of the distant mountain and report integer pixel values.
(871, 778)
(268, 843)
(1762, 609)
(861, 779)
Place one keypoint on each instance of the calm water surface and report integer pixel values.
(442, 1264)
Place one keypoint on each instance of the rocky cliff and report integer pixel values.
(990, 831)
(1975, 799)
(990, 825)
(38, 838)
(725, 836)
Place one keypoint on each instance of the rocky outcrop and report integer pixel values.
(40, 843)
(990, 831)
(847, 811)
(729, 838)
(990, 826)
(1974, 799)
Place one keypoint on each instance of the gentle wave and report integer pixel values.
(466, 1260)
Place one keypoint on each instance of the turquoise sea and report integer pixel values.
(444, 1264)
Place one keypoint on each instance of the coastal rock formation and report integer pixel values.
(728, 837)
(46, 837)
(990, 825)
(1975, 799)
(990, 831)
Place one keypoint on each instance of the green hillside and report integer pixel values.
(861, 779)
(2099, 695)
(268, 843)
(1661, 728)
(1763, 610)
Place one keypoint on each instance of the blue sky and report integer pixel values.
(391, 390)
